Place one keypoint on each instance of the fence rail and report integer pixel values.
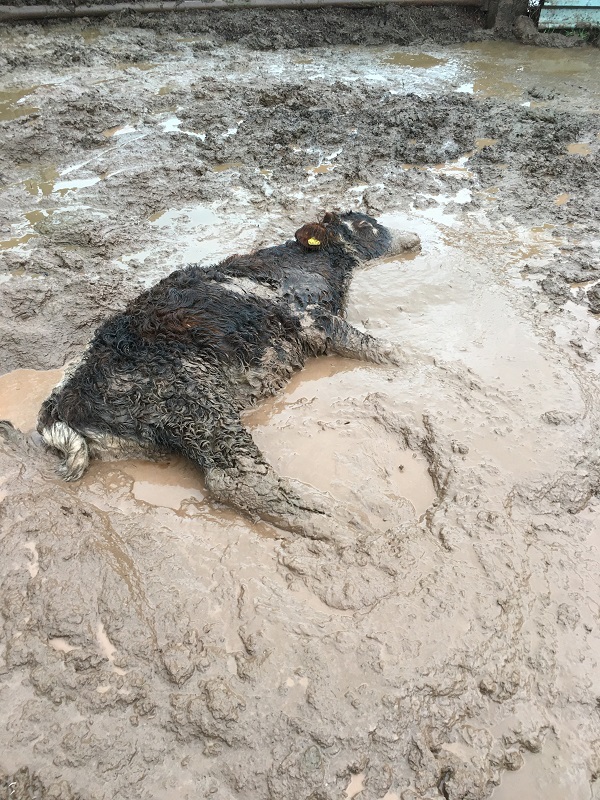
(9, 13)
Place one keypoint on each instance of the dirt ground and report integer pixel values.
(154, 645)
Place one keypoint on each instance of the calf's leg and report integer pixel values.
(343, 339)
(237, 474)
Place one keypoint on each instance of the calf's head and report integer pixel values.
(359, 232)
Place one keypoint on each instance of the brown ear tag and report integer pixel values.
(311, 236)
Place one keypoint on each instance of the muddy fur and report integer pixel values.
(172, 373)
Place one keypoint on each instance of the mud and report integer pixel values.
(155, 645)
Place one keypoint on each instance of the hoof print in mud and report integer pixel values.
(172, 372)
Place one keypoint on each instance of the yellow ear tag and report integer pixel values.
(314, 242)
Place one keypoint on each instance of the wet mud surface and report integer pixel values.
(155, 645)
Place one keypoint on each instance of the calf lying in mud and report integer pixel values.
(173, 372)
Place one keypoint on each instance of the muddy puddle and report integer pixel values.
(14, 104)
(165, 484)
(155, 644)
(304, 440)
(22, 393)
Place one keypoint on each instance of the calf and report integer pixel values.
(173, 372)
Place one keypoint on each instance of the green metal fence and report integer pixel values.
(570, 14)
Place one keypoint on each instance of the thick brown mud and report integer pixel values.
(21, 394)
(155, 645)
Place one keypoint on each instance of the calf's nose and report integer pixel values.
(403, 242)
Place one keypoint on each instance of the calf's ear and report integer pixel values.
(329, 218)
(312, 236)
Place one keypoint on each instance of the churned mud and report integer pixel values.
(154, 645)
